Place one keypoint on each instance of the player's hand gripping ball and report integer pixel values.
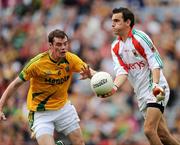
(102, 83)
(158, 92)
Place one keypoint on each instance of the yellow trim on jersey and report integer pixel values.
(34, 60)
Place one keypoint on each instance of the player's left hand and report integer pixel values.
(85, 72)
(2, 116)
(158, 92)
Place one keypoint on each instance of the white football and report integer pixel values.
(101, 83)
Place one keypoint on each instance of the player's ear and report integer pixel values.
(50, 44)
(128, 22)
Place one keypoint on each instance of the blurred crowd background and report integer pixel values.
(24, 26)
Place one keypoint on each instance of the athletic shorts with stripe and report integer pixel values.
(64, 120)
(149, 100)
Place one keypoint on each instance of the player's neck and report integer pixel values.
(54, 58)
(124, 35)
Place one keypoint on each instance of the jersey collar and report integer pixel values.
(130, 34)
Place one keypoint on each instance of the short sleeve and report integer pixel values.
(77, 63)
(152, 54)
(119, 65)
(28, 71)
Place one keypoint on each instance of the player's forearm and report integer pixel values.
(119, 80)
(6, 95)
(156, 75)
(8, 92)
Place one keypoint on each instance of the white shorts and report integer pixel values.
(64, 120)
(149, 100)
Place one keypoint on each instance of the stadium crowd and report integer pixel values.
(24, 25)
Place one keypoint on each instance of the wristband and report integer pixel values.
(154, 85)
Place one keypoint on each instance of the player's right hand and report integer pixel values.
(85, 72)
(113, 91)
(2, 116)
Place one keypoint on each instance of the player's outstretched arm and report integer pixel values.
(118, 82)
(7, 93)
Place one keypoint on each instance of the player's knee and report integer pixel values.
(78, 141)
(149, 132)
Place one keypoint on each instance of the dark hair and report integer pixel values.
(56, 33)
(127, 14)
